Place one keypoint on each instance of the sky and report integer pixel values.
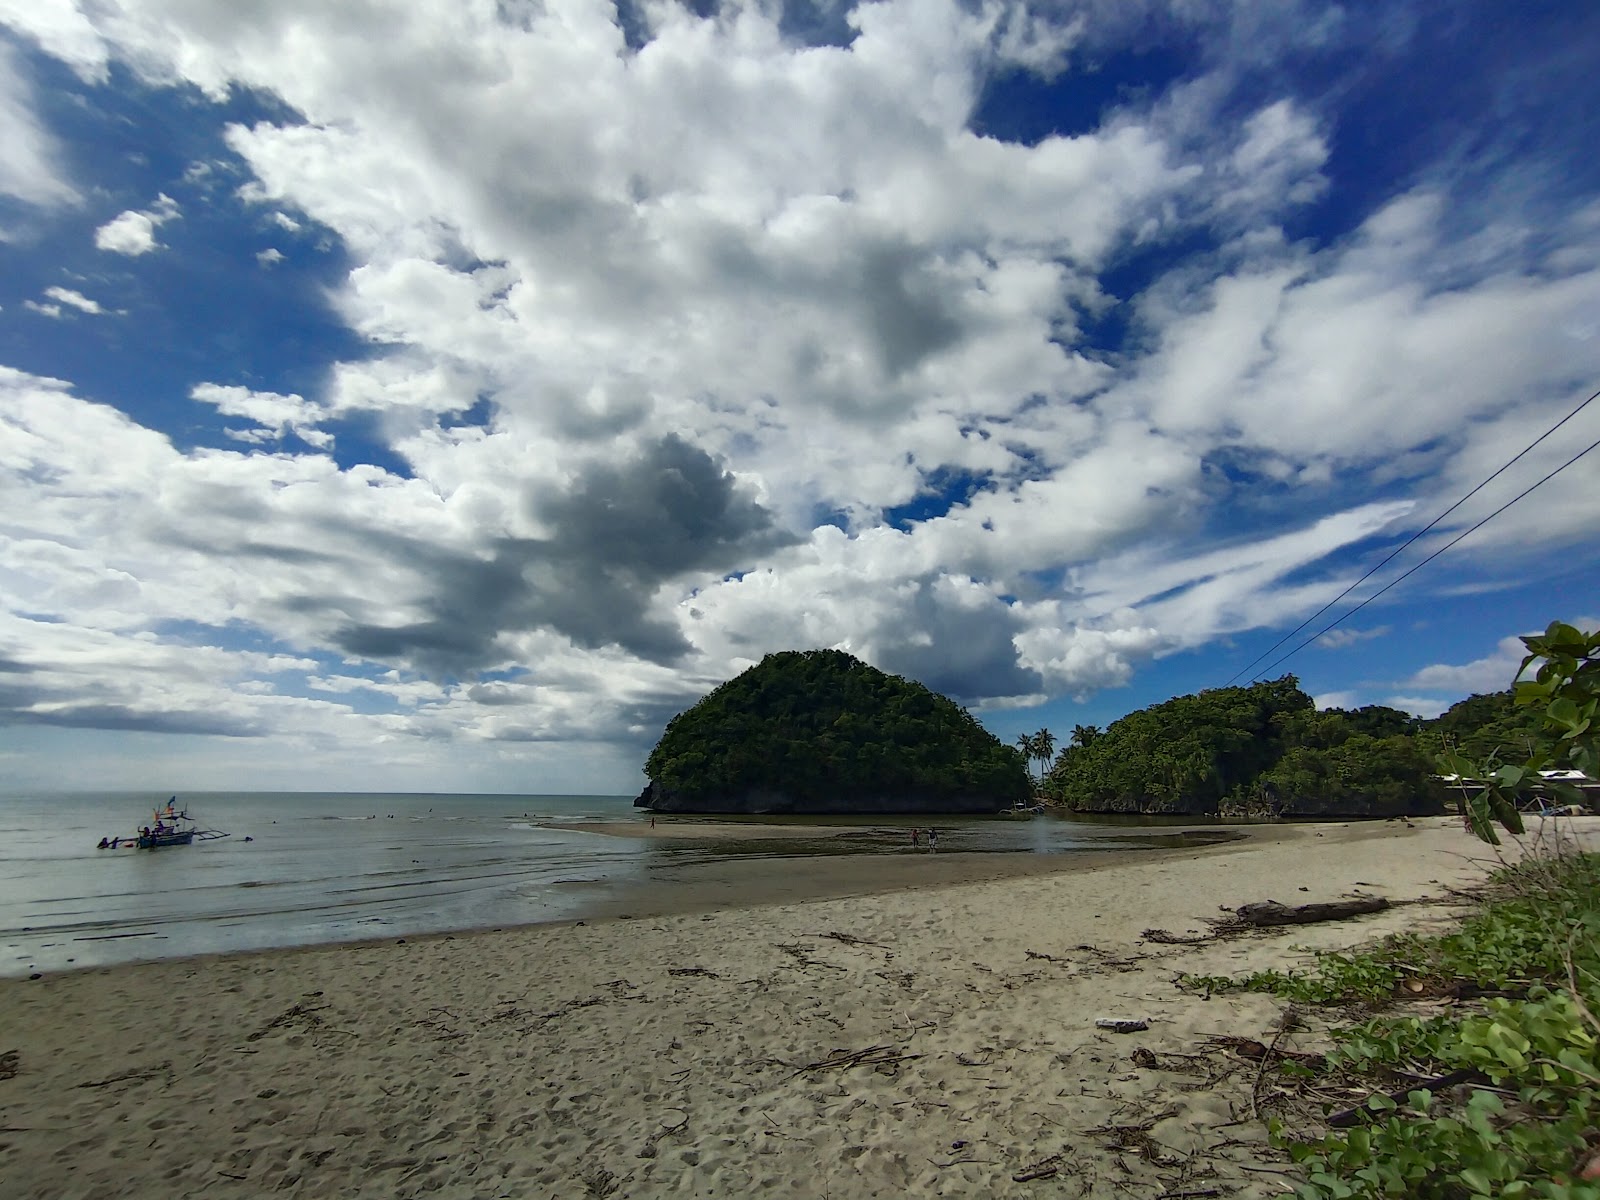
(439, 395)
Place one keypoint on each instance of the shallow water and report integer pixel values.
(306, 868)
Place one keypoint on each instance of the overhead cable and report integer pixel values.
(1404, 575)
(1407, 543)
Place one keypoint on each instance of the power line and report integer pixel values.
(1335, 624)
(1400, 549)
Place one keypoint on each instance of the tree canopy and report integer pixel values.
(1263, 748)
(831, 733)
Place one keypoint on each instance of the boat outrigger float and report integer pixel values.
(170, 826)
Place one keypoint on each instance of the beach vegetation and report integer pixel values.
(1556, 712)
(1507, 1095)
(827, 730)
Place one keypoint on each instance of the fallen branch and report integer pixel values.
(849, 939)
(1353, 1116)
(1252, 1049)
(1271, 913)
(1045, 1168)
(1289, 1021)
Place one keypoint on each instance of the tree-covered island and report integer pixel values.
(820, 731)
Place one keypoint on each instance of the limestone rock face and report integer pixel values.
(1421, 804)
(775, 802)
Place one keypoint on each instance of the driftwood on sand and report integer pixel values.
(1270, 912)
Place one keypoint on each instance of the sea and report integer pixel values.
(307, 868)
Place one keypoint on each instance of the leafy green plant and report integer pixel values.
(1413, 1150)
(1334, 979)
(1526, 1121)
(1565, 694)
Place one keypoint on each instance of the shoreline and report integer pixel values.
(743, 882)
(930, 1039)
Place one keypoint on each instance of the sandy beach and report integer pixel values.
(934, 1039)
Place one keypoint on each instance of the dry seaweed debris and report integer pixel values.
(876, 1056)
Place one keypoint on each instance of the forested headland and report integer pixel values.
(820, 731)
(1266, 750)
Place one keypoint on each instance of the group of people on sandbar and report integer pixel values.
(933, 837)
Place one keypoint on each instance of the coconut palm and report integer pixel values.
(1029, 746)
(1044, 749)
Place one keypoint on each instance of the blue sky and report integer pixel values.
(440, 394)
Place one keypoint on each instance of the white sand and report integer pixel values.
(572, 1061)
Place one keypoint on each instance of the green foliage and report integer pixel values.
(1262, 748)
(1481, 1150)
(1482, 727)
(1038, 747)
(1336, 978)
(1184, 755)
(1355, 772)
(1530, 1137)
(1377, 720)
(1507, 944)
(1541, 1051)
(1265, 750)
(822, 726)
(1562, 698)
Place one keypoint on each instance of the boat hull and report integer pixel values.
(156, 841)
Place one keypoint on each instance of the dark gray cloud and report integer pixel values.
(620, 532)
(908, 316)
(672, 509)
(964, 653)
(17, 708)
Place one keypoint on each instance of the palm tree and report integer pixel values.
(1082, 735)
(1029, 746)
(1044, 749)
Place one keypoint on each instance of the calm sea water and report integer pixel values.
(304, 868)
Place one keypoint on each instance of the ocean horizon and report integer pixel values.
(310, 868)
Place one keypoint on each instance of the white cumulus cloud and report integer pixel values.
(134, 232)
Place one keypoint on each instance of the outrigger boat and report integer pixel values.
(173, 826)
